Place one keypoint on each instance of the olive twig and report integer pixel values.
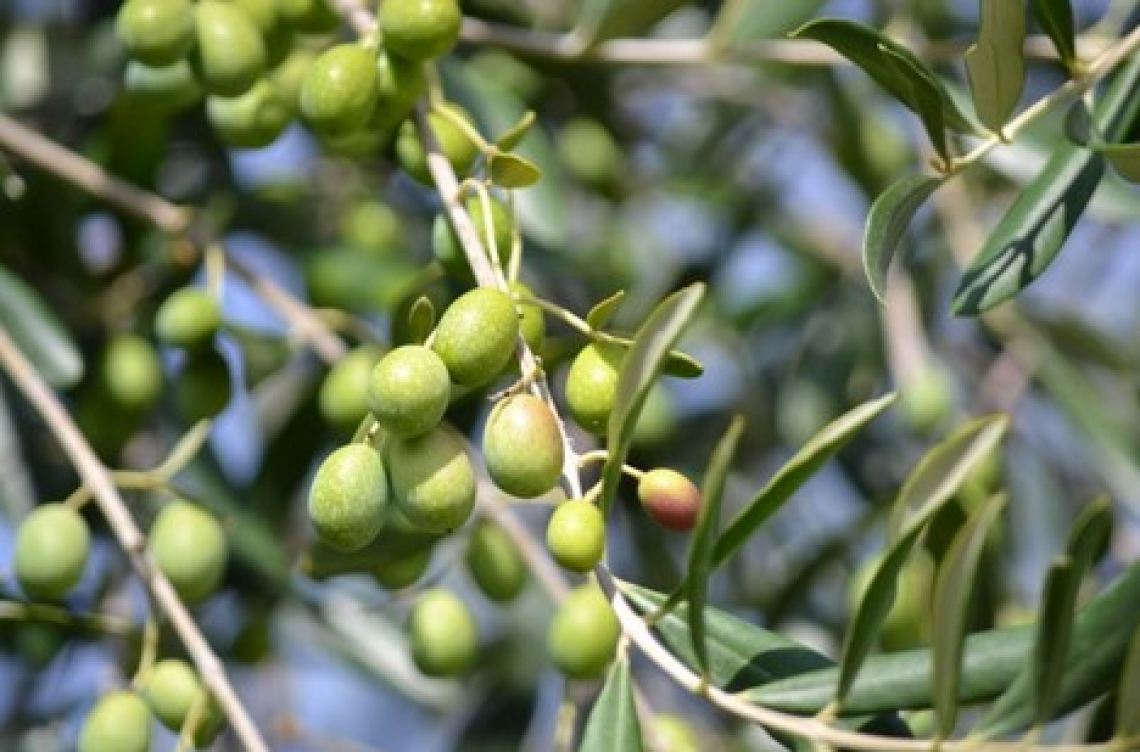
(47, 613)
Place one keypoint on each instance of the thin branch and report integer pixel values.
(98, 478)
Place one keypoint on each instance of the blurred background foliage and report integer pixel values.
(753, 176)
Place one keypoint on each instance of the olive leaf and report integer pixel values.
(613, 723)
(38, 333)
(995, 64)
(1056, 19)
(512, 171)
(603, 311)
(517, 132)
(890, 214)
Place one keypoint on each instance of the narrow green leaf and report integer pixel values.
(923, 89)
(613, 725)
(943, 470)
(512, 171)
(1124, 158)
(1029, 236)
(603, 311)
(795, 472)
(956, 577)
(41, 336)
(1128, 694)
(651, 345)
(995, 65)
(1056, 19)
(421, 320)
(609, 19)
(681, 365)
(761, 19)
(700, 563)
(515, 134)
(886, 223)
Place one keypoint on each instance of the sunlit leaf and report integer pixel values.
(38, 333)
(512, 171)
(753, 20)
(956, 577)
(795, 472)
(700, 562)
(1056, 18)
(603, 311)
(613, 723)
(995, 64)
(890, 214)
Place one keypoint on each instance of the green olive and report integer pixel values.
(532, 321)
(522, 446)
(408, 390)
(172, 689)
(494, 562)
(203, 387)
(52, 544)
(454, 144)
(400, 572)
(132, 373)
(343, 398)
(165, 89)
(588, 151)
(420, 29)
(156, 32)
(189, 547)
(576, 535)
(190, 317)
(584, 633)
(340, 89)
(449, 251)
(263, 13)
(231, 54)
(119, 722)
(476, 336)
(288, 76)
(252, 120)
(308, 16)
(591, 385)
(372, 227)
(669, 498)
(443, 634)
(432, 479)
(348, 499)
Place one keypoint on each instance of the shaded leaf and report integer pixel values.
(700, 562)
(681, 365)
(600, 20)
(943, 470)
(613, 725)
(512, 171)
(995, 65)
(38, 333)
(1056, 19)
(956, 578)
(651, 345)
(515, 134)
(794, 473)
(603, 311)
(890, 214)
(1124, 158)
(1128, 694)
(1031, 233)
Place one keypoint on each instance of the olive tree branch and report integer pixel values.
(98, 478)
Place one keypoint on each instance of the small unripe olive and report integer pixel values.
(420, 29)
(308, 16)
(252, 120)
(444, 636)
(52, 544)
(591, 385)
(190, 317)
(532, 321)
(156, 32)
(288, 76)
(454, 144)
(132, 372)
(476, 336)
(672, 733)
(522, 446)
(671, 499)
(408, 390)
(584, 633)
(172, 689)
(348, 499)
(231, 54)
(203, 387)
(432, 479)
(588, 151)
(165, 89)
(340, 89)
(119, 722)
(391, 550)
(402, 571)
(263, 13)
(401, 81)
(494, 562)
(576, 535)
(372, 227)
(343, 398)
(927, 398)
(189, 547)
(449, 251)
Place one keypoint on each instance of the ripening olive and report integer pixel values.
(189, 547)
(408, 390)
(454, 144)
(343, 398)
(576, 535)
(669, 498)
(420, 29)
(443, 634)
(132, 373)
(340, 89)
(449, 251)
(494, 562)
(522, 446)
(348, 499)
(172, 689)
(203, 387)
(252, 120)
(402, 571)
(583, 635)
(52, 544)
(476, 336)
(119, 722)
(591, 385)
(432, 479)
(165, 89)
(231, 54)
(190, 317)
(156, 32)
